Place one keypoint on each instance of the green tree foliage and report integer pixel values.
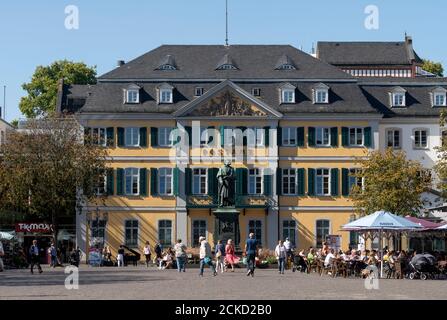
(433, 67)
(43, 169)
(441, 165)
(391, 183)
(42, 90)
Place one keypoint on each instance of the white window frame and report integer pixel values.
(289, 133)
(132, 96)
(283, 236)
(131, 132)
(359, 132)
(171, 233)
(256, 92)
(98, 187)
(395, 103)
(354, 180)
(318, 96)
(320, 130)
(437, 103)
(393, 130)
(257, 177)
(202, 177)
(162, 96)
(256, 133)
(288, 176)
(132, 228)
(420, 146)
(323, 177)
(198, 91)
(288, 93)
(99, 141)
(134, 174)
(195, 243)
(316, 230)
(164, 135)
(260, 241)
(166, 174)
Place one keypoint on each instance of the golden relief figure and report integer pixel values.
(227, 104)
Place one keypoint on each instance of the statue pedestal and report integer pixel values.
(227, 225)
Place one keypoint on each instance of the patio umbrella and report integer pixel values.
(6, 235)
(444, 227)
(381, 221)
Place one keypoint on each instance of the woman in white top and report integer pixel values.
(147, 253)
(281, 256)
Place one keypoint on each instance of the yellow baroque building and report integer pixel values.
(292, 126)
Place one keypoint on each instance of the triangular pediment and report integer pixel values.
(227, 100)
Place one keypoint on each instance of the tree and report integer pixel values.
(441, 165)
(391, 183)
(433, 67)
(42, 90)
(44, 167)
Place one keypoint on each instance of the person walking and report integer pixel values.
(251, 249)
(147, 253)
(205, 256)
(281, 256)
(180, 255)
(230, 255)
(120, 256)
(53, 255)
(2, 253)
(35, 257)
(220, 256)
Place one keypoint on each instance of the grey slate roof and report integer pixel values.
(200, 61)
(367, 53)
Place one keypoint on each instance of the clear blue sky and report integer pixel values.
(33, 32)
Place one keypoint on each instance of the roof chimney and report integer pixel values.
(120, 63)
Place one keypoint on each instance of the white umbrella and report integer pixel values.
(6, 235)
(444, 227)
(381, 221)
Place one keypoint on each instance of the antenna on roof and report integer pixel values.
(226, 22)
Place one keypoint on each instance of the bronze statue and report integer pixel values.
(226, 178)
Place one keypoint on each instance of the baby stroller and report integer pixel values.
(422, 266)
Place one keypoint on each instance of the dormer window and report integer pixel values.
(165, 93)
(167, 63)
(198, 92)
(439, 97)
(287, 93)
(226, 63)
(132, 94)
(321, 93)
(285, 63)
(398, 97)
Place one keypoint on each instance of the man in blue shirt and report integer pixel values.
(35, 256)
(251, 249)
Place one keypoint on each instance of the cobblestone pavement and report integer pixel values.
(140, 283)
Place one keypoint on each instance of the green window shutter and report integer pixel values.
(154, 137)
(334, 182)
(241, 183)
(120, 182)
(345, 182)
(110, 182)
(345, 137)
(367, 137)
(311, 136)
(267, 183)
(244, 181)
(189, 131)
(300, 178)
(154, 178)
(176, 182)
(188, 181)
(222, 136)
(266, 136)
(279, 181)
(279, 136)
(87, 136)
(334, 137)
(143, 137)
(311, 182)
(300, 136)
(212, 183)
(110, 137)
(120, 137)
(143, 182)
